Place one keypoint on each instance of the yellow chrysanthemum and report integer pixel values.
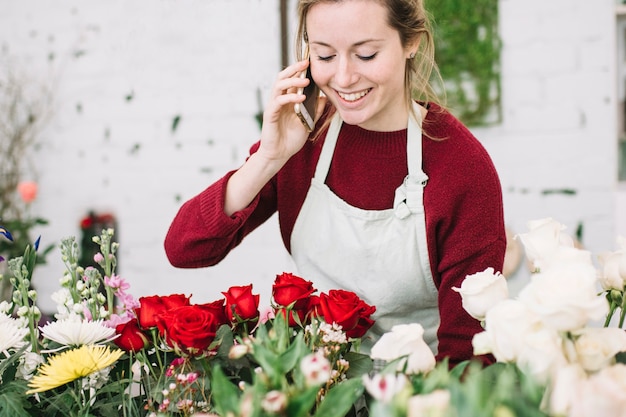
(71, 365)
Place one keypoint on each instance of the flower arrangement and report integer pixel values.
(164, 355)
(107, 353)
(556, 352)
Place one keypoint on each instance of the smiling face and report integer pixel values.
(359, 62)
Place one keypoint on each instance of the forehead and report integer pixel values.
(352, 21)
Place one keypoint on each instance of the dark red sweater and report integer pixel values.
(462, 200)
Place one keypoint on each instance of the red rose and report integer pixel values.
(288, 289)
(217, 307)
(346, 309)
(241, 304)
(189, 329)
(152, 306)
(131, 338)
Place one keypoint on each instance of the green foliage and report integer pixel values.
(467, 48)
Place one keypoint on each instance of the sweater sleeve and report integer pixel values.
(201, 234)
(466, 235)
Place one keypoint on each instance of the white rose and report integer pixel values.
(405, 341)
(602, 394)
(565, 296)
(564, 389)
(541, 354)
(613, 269)
(543, 239)
(596, 347)
(506, 326)
(481, 291)
(435, 404)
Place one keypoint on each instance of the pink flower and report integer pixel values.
(27, 190)
(117, 283)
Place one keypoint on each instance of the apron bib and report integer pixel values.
(380, 255)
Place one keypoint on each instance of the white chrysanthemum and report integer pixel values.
(77, 333)
(11, 333)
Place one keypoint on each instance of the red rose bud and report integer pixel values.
(152, 306)
(347, 310)
(131, 338)
(241, 304)
(189, 329)
(289, 288)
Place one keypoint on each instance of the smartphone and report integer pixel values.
(307, 109)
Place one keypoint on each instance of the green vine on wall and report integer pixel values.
(467, 51)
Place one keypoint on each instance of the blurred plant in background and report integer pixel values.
(25, 108)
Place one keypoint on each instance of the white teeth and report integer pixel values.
(353, 96)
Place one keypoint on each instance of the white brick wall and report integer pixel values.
(205, 60)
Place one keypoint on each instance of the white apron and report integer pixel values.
(381, 255)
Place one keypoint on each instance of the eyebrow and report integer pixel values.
(363, 42)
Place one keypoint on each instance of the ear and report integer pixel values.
(411, 49)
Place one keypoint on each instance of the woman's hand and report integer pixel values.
(282, 135)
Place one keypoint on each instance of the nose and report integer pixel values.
(346, 74)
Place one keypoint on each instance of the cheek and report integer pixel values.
(321, 74)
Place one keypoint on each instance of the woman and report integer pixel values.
(388, 197)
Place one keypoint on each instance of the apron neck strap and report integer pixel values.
(413, 148)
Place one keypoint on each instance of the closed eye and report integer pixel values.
(368, 57)
(325, 58)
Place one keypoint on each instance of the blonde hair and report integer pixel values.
(412, 21)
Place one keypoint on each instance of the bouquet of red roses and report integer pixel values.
(224, 356)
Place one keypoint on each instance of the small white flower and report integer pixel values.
(77, 333)
(481, 291)
(274, 402)
(29, 362)
(5, 307)
(316, 369)
(383, 387)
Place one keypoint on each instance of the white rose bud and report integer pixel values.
(613, 268)
(238, 351)
(481, 291)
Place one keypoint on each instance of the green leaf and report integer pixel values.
(292, 356)
(360, 364)
(340, 399)
(12, 399)
(270, 362)
(225, 395)
(301, 404)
